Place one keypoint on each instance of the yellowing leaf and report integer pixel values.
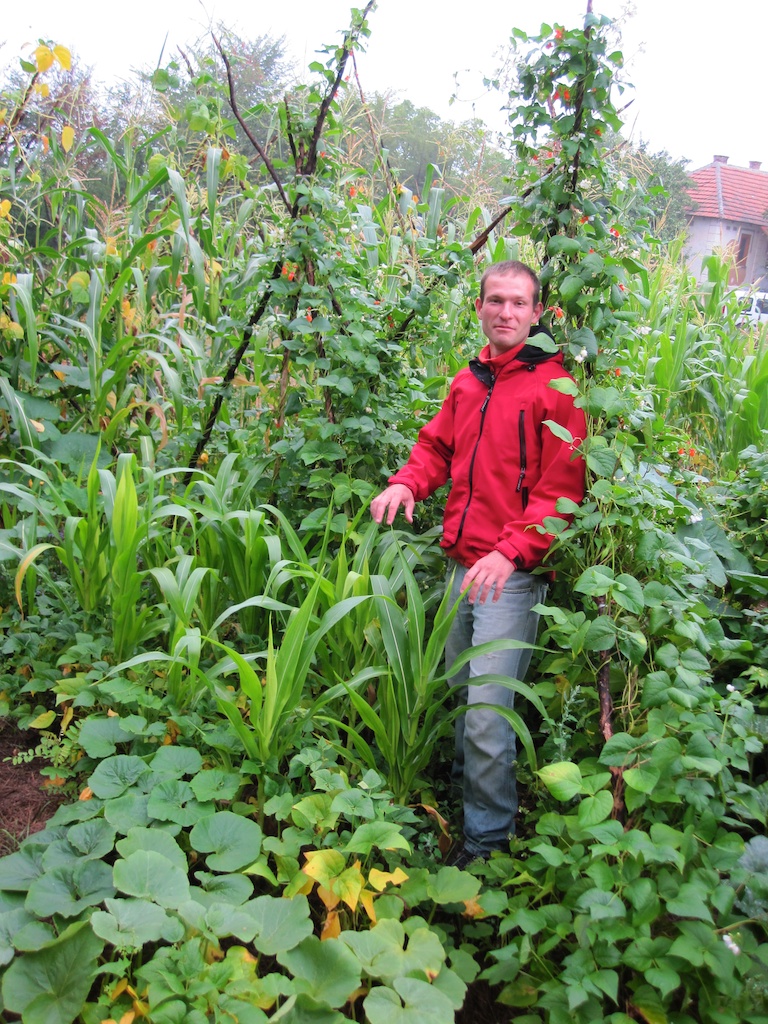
(5, 212)
(324, 865)
(63, 56)
(66, 718)
(39, 427)
(129, 314)
(119, 988)
(473, 909)
(42, 89)
(348, 886)
(67, 137)
(366, 898)
(79, 280)
(381, 879)
(43, 57)
(44, 720)
(24, 564)
(330, 899)
(331, 926)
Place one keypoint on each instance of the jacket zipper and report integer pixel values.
(523, 459)
(483, 408)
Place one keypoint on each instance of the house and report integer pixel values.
(729, 212)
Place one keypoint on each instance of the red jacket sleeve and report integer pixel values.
(429, 464)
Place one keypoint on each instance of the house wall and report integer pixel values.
(705, 234)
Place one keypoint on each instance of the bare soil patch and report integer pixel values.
(25, 802)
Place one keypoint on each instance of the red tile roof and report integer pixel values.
(726, 192)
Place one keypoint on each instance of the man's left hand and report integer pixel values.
(488, 573)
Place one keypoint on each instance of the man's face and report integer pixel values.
(507, 312)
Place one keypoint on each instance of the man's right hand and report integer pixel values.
(389, 501)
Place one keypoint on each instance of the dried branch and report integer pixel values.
(311, 160)
(229, 376)
(238, 117)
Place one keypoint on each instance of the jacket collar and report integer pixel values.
(527, 352)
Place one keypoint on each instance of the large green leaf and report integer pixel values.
(594, 809)
(216, 784)
(92, 839)
(50, 985)
(127, 811)
(563, 779)
(11, 922)
(115, 775)
(18, 870)
(156, 839)
(383, 835)
(230, 840)
(409, 1001)
(99, 736)
(282, 923)
(69, 889)
(328, 971)
(150, 875)
(176, 761)
(234, 889)
(383, 954)
(450, 885)
(131, 923)
(175, 800)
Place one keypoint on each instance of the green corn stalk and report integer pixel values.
(410, 715)
(128, 622)
(276, 706)
(180, 593)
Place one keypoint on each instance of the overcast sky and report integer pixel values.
(698, 76)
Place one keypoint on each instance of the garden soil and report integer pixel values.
(26, 798)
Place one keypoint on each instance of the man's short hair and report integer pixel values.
(508, 267)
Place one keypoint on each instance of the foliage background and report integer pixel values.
(225, 312)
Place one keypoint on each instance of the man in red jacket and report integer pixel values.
(506, 437)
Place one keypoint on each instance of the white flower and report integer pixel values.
(731, 688)
(643, 330)
(731, 944)
(581, 356)
(696, 517)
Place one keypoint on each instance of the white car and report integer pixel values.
(754, 307)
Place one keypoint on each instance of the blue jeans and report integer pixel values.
(485, 742)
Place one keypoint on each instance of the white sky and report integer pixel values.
(697, 68)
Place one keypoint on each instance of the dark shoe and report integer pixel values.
(460, 857)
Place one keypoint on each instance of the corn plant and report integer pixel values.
(412, 712)
(270, 711)
(100, 548)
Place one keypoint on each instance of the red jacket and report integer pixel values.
(507, 467)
